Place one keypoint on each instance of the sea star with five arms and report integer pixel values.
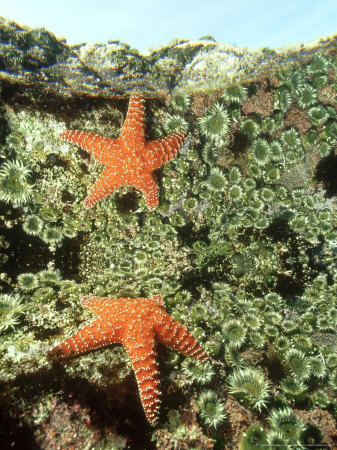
(137, 323)
(130, 159)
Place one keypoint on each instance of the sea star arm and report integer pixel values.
(99, 146)
(148, 186)
(143, 354)
(134, 124)
(173, 334)
(161, 151)
(94, 335)
(106, 183)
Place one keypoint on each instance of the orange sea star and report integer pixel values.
(130, 159)
(137, 323)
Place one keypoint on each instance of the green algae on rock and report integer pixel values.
(36, 56)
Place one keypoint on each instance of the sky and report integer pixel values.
(145, 24)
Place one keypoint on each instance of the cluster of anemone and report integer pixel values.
(239, 232)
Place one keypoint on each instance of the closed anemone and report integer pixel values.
(214, 125)
(216, 180)
(212, 410)
(253, 438)
(15, 183)
(250, 386)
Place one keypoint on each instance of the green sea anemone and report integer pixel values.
(276, 440)
(298, 363)
(214, 125)
(234, 333)
(318, 368)
(307, 96)
(49, 277)
(216, 180)
(212, 410)
(318, 115)
(235, 94)
(210, 154)
(319, 64)
(286, 422)
(181, 103)
(175, 123)
(253, 438)
(260, 151)
(32, 225)
(52, 235)
(190, 203)
(250, 386)
(250, 127)
(235, 192)
(276, 151)
(15, 183)
(27, 282)
(290, 139)
(11, 310)
(197, 372)
(293, 389)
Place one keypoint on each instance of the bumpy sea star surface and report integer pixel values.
(137, 323)
(130, 159)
